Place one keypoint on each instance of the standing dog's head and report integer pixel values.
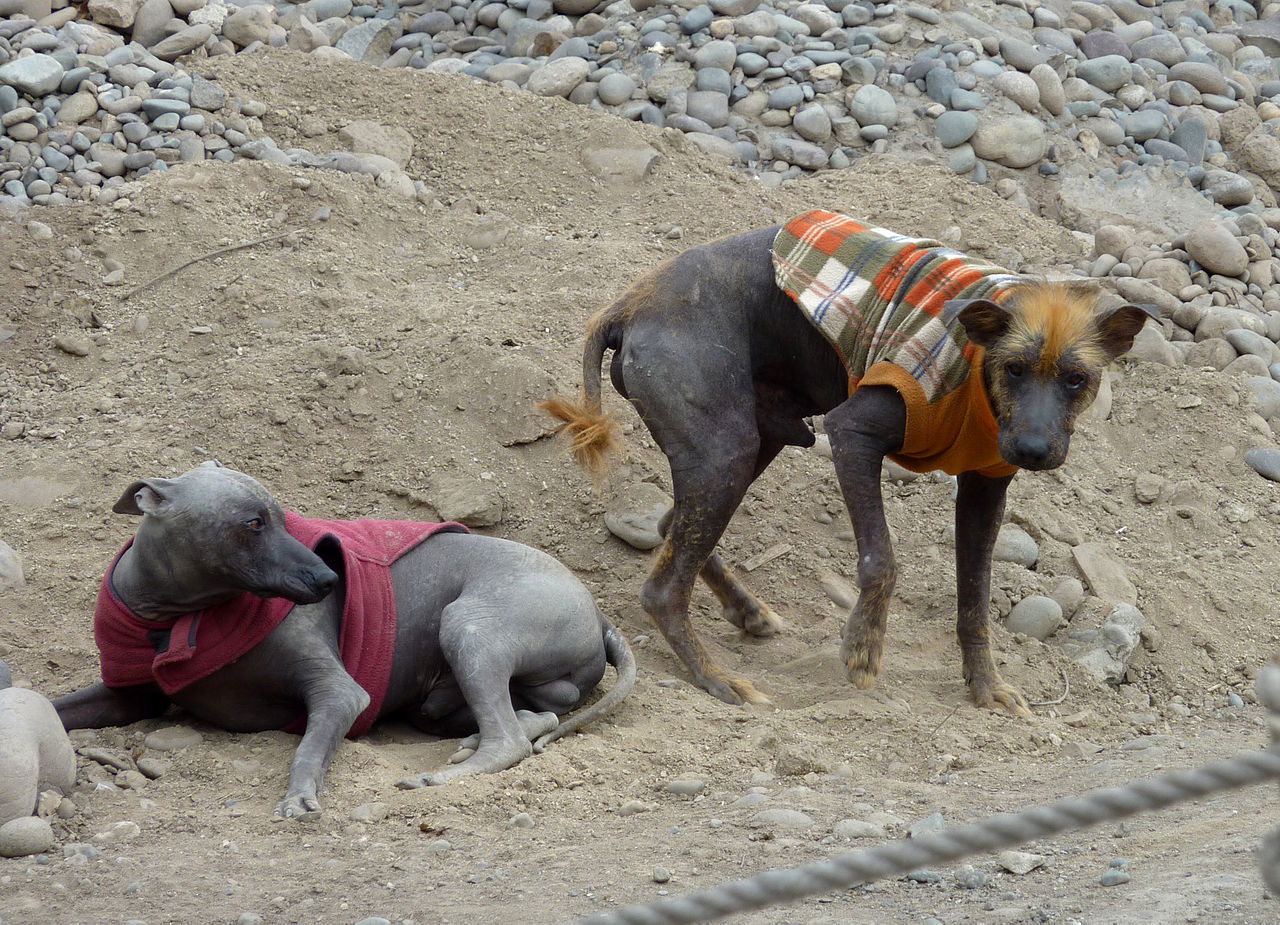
(1047, 346)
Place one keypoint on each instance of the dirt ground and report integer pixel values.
(376, 362)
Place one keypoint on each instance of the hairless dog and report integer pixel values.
(940, 361)
(252, 618)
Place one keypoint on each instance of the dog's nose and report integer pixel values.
(1033, 451)
(325, 580)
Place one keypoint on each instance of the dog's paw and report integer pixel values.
(1000, 695)
(296, 807)
(762, 621)
(732, 690)
(861, 666)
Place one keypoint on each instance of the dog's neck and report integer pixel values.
(156, 586)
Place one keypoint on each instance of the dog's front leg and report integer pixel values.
(979, 510)
(863, 430)
(97, 705)
(334, 701)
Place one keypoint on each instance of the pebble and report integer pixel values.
(686, 787)
(660, 875)
(1265, 462)
(1036, 616)
(791, 819)
(172, 738)
(1013, 544)
(1019, 862)
(931, 823)
(1114, 877)
(634, 513)
(24, 836)
(370, 812)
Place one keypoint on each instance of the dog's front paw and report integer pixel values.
(999, 694)
(861, 665)
(296, 806)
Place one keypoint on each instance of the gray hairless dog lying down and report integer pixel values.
(199, 610)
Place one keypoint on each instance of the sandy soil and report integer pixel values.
(378, 361)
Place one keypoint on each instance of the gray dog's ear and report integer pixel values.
(146, 496)
(1118, 328)
(984, 321)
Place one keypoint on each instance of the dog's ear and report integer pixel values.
(984, 321)
(146, 496)
(1118, 328)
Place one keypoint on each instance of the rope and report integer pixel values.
(1001, 831)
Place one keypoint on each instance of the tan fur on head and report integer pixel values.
(592, 434)
(1054, 319)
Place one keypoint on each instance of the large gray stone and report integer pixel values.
(1141, 199)
(872, 105)
(1104, 573)
(633, 515)
(118, 13)
(1036, 616)
(150, 21)
(389, 141)
(800, 153)
(1017, 141)
(24, 836)
(249, 24)
(955, 128)
(11, 575)
(35, 753)
(35, 75)
(1117, 639)
(558, 77)
(182, 42)
(1109, 73)
(1267, 392)
(371, 41)
(1215, 248)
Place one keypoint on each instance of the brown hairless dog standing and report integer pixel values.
(940, 362)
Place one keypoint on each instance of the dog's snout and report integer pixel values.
(324, 580)
(1033, 451)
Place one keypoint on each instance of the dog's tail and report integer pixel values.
(618, 654)
(592, 434)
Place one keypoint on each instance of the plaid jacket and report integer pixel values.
(878, 298)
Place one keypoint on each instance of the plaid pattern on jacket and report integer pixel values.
(878, 296)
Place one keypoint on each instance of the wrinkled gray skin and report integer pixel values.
(484, 627)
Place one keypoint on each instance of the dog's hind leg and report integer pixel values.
(708, 484)
(979, 509)
(739, 606)
(482, 661)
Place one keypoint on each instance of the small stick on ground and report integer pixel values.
(209, 256)
(1066, 690)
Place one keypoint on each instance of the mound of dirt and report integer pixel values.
(372, 355)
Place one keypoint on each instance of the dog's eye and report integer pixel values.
(1014, 369)
(255, 525)
(1076, 380)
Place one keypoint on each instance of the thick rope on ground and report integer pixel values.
(1002, 831)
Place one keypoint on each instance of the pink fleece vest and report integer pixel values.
(176, 653)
